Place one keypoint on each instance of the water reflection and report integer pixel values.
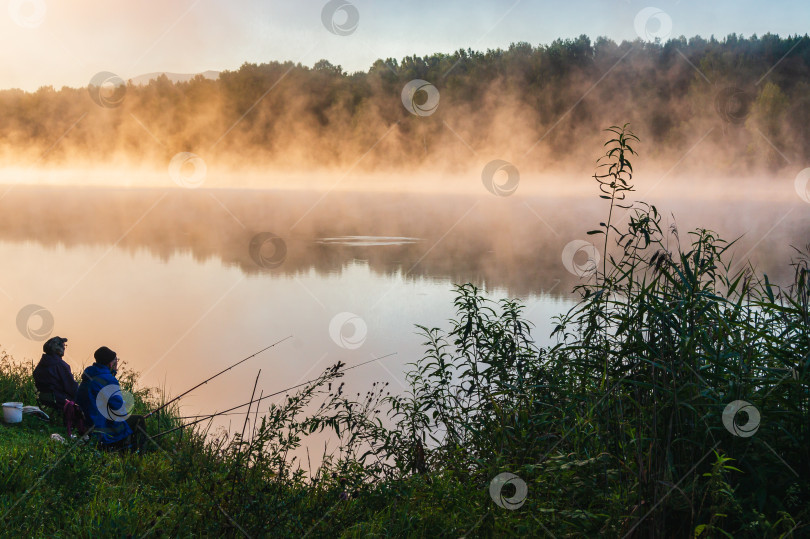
(513, 243)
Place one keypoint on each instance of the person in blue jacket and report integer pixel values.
(103, 403)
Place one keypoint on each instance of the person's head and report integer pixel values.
(55, 346)
(108, 358)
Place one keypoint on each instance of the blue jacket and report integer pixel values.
(53, 375)
(107, 428)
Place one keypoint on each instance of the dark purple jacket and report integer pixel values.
(53, 375)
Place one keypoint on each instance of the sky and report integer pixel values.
(66, 42)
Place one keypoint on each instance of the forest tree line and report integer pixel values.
(740, 104)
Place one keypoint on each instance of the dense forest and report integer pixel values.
(738, 104)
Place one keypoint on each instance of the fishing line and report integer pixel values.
(210, 416)
(161, 407)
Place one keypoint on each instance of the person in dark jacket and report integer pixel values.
(106, 406)
(52, 375)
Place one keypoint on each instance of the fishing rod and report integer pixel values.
(210, 416)
(159, 408)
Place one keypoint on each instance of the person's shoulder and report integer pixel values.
(94, 372)
(45, 360)
(49, 363)
(106, 375)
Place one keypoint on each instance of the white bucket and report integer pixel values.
(12, 412)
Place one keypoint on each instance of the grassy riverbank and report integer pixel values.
(675, 403)
(196, 486)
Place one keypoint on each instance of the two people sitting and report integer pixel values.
(98, 399)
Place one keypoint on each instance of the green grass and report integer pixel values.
(616, 430)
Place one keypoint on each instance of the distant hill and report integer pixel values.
(174, 77)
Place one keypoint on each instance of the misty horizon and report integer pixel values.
(744, 116)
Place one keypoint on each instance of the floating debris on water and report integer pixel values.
(367, 241)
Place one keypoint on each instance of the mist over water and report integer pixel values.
(514, 243)
(709, 108)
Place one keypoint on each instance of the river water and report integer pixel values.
(181, 283)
